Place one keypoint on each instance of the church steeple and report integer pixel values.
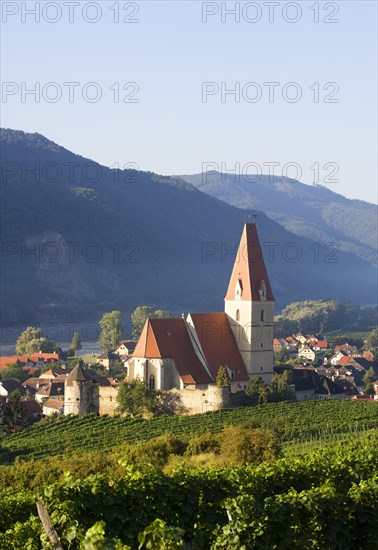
(249, 304)
(249, 274)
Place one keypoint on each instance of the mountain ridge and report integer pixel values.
(303, 209)
(161, 242)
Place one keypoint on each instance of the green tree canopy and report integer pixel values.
(371, 343)
(315, 317)
(16, 372)
(13, 413)
(257, 390)
(280, 387)
(142, 313)
(32, 341)
(222, 379)
(135, 398)
(112, 330)
(76, 342)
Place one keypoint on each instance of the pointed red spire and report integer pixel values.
(249, 270)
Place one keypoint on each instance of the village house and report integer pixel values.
(305, 352)
(347, 349)
(52, 389)
(9, 386)
(121, 354)
(126, 348)
(54, 373)
(32, 385)
(310, 385)
(53, 406)
(299, 338)
(33, 361)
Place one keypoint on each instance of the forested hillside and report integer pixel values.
(311, 211)
(88, 239)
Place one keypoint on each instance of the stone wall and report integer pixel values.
(108, 400)
(203, 399)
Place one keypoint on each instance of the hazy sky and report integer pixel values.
(320, 111)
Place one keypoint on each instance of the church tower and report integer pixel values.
(249, 305)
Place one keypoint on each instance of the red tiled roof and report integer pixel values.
(321, 344)
(218, 343)
(344, 360)
(6, 360)
(169, 338)
(249, 268)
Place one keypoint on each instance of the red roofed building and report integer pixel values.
(182, 353)
(35, 360)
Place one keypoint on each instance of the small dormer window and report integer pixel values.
(239, 289)
(262, 290)
(169, 333)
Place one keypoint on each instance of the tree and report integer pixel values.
(76, 343)
(371, 343)
(369, 377)
(15, 371)
(280, 387)
(243, 445)
(257, 390)
(135, 398)
(32, 341)
(14, 415)
(142, 313)
(315, 316)
(112, 331)
(281, 356)
(222, 379)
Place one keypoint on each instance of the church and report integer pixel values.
(185, 354)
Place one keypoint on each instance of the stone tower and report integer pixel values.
(80, 393)
(249, 305)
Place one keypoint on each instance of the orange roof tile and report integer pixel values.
(249, 268)
(218, 343)
(6, 360)
(169, 338)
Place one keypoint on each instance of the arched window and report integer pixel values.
(262, 315)
(237, 315)
(151, 382)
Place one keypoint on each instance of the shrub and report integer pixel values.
(240, 445)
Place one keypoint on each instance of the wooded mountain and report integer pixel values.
(311, 211)
(79, 239)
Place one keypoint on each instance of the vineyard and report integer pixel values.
(326, 499)
(294, 422)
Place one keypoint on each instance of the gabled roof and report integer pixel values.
(249, 268)
(218, 343)
(54, 388)
(6, 360)
(52, 403)
(169, 338)
(321, 344)
(33, 384)
(79, 374)
(10, 385)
